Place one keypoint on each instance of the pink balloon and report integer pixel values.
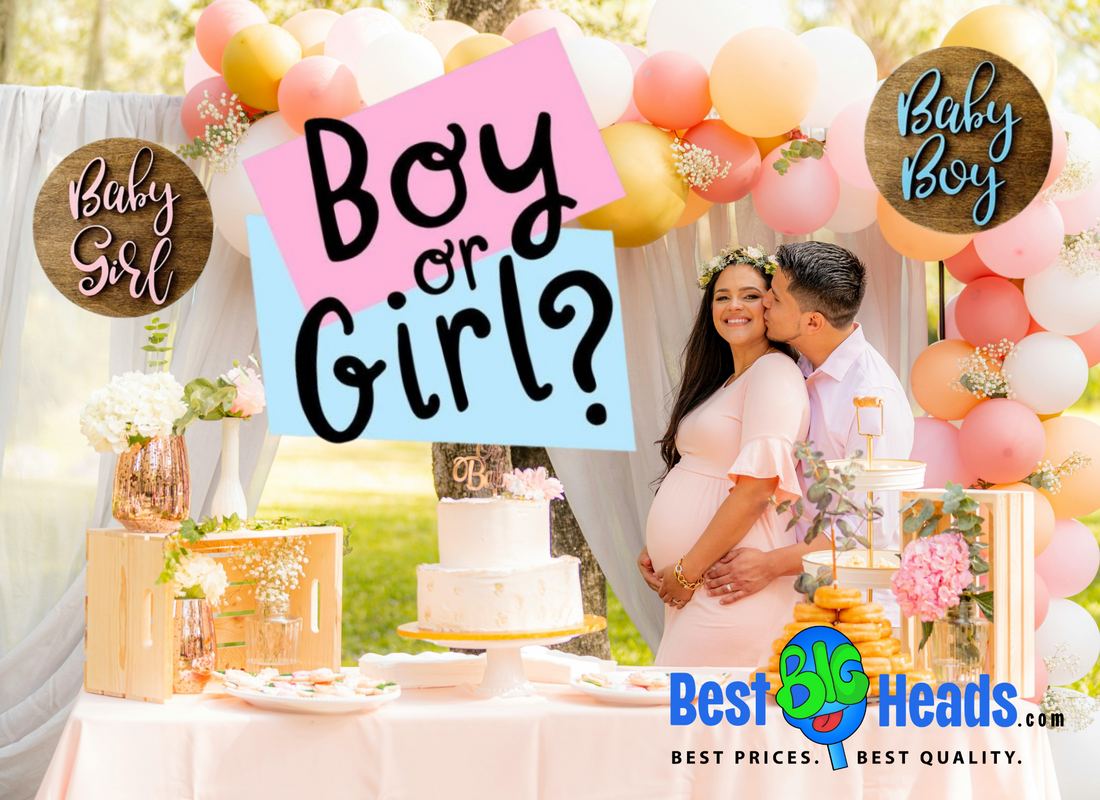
(1026, 244)
(1089, 342)
(1069, 563)
(1042, 680)
(196, 70)
(965, 266)
(318, 86)
(1082, 212)
(729, 146)
(635, 55)
(846, 148)
(542, 19)
(991, 309)
(672, 90)
(951, 330)
(936, 443)
(801, 201)
(1042, 599)
(1059, 152)
(212, 89)
(1001, 440)
(221, 21)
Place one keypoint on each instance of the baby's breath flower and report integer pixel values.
(697, 166)
(981, 374)
(1080, 254)
(1049, 477)
(274, 565)
(228, 126)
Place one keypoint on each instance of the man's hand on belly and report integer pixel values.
(741, 572)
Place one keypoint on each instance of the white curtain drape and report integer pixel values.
(610, 493)
(52, 356)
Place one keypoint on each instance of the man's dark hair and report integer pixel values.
(825, 278)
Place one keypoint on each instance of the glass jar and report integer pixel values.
(194, 645)
(960, 644)
(271, 637)
(152, 486)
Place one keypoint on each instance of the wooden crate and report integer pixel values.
(1010, 532)
(128, 640)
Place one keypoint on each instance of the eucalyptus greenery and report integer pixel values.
(157, 351)
(798, 150)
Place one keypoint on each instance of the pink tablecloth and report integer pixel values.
(448, 743)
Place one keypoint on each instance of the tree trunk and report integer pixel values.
(97, 47)
(8, 12)
(486, 16)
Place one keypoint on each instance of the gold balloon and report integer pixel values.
(469, 50)
(769, 143)
(1013, 34)
(655, 195)
(255, 61)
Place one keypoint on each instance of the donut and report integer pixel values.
(873, 689)
(920, 675)
(864, 612)
(901, 662)
(810, 612)
(875, 666)
(837, 597)
(859, 631)
(878, 648)
(778, 645)
(791, 628)
(887, 628)
(773, 664)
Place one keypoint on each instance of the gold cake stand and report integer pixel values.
(504, 673)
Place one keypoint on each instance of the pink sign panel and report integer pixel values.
(494, 156)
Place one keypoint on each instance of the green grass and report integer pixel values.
(385, 490)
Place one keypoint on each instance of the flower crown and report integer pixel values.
(753, 256)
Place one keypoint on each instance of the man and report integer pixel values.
(812, 304)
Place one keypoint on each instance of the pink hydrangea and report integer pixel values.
(533, 484)
(934, 572)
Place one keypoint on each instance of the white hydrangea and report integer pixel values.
(201, 571)
(132, 404)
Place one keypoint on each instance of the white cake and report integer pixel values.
(496, 573)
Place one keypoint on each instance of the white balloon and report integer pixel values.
(232, 197)
(1047, 372)
(196, 70)
(857, 209)
(1083, 146)
(605, 76)
(350, 35)
(1063, 302)
(846, 72)
(1074, 630)
(700, 27)
(394, 63)
(1074, 755)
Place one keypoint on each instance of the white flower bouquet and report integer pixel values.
(197, 577)
(133, 408)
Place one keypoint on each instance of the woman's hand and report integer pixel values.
(671, 592)
(645, 566)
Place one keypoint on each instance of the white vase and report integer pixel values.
(229, 497)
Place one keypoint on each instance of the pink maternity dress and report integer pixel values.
(746, 428)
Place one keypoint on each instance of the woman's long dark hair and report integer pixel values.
(708, 363)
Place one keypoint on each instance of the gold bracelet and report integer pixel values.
(680, 579)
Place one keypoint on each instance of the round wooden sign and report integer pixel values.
(122, 227)
(958, 140)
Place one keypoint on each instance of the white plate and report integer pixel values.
(327, 704)
(621, 697)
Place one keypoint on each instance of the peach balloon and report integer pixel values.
(446, 33)
(473, 49)
(936, 443)
(310, 27)
(635, 55)
(763, 82)
(255, 61)
(1059, 152)
(1013, 34)
(1080, 493)
(989, 310)
(317, 87)
(800, 202)
(731, 147)
(212, 89)
(1025, 245)
(966, 266)
(538, 20)
(1089, 342)
(934, 380)
(1042, 600)
(914, 241)
(1044, 513)
(672, 90)
(221, 21)
(1001, 440)
(769, 143)
(1069, 565)
(696, 208)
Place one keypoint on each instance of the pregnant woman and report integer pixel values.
(740, 407)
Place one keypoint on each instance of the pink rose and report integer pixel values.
(250, 392)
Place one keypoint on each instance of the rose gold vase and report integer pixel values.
(152, 490)
(194, 647)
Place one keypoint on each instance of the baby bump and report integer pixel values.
(681, 511)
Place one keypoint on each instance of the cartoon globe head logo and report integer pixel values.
(824, 691)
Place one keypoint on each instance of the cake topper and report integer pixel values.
(481, 470)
